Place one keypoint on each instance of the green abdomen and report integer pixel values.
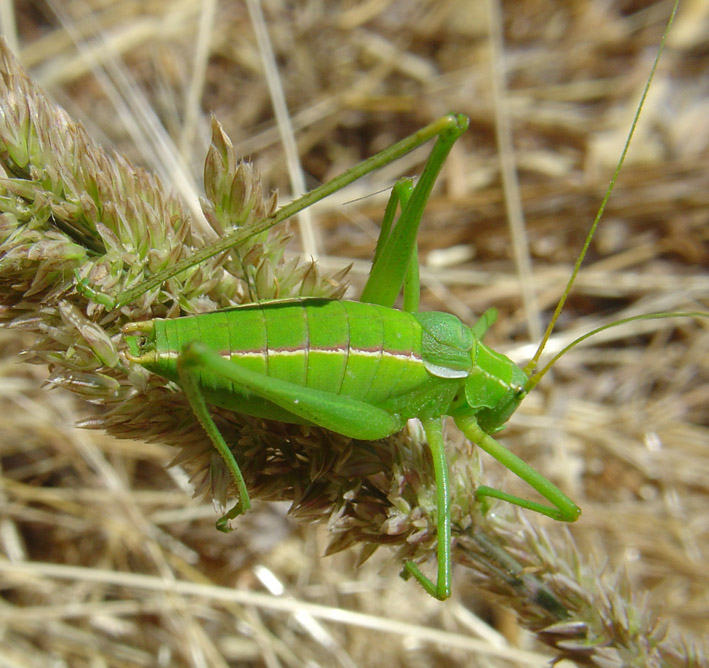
(354, 349)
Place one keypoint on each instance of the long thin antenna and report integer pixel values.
(532, 364)
(534, 380)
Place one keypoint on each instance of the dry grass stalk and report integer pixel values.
(69, 204)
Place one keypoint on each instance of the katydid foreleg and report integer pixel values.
(563, 509)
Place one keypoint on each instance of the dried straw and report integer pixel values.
(108, 561)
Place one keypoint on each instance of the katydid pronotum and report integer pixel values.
(361, 369)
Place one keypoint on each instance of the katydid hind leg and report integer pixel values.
(446, 130)
(412, 286)
(562, 509)
(190, 386)
(442, 587)
(344, 415)
(400, 195)
(392, 264)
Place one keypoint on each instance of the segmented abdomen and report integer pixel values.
(359, 350)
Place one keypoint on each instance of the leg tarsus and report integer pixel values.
(223, 521)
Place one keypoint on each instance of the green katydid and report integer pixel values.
(359, 368)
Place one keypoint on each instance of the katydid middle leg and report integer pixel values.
(442, 589)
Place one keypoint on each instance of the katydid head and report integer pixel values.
(492, 385)
(494, 388)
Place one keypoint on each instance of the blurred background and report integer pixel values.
(306, 90)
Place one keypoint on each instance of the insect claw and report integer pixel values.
(223, 525)
(223, 522)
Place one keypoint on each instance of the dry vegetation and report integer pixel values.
(107, 560)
